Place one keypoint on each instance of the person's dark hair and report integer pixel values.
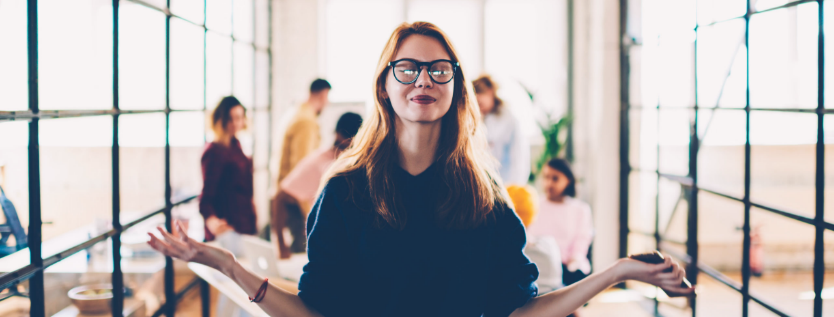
(564, 167)
(348, 124)
(319, 85)
(222, 114)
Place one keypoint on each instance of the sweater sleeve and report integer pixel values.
(326, 284)
(212, 167)
(514, 276)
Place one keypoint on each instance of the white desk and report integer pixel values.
(289, 269)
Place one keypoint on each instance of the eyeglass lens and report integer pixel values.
(440, 71)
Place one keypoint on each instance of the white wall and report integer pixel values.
(596, 119)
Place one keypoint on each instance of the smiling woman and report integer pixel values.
(414, 212)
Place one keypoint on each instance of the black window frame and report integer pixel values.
(34, 272)
(689, 183)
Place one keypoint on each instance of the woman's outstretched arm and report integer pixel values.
(277, 301)
(566, 300)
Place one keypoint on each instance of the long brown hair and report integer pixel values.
(467, 171)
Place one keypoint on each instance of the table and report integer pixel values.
(290, 270)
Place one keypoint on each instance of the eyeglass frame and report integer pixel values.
(428, 65)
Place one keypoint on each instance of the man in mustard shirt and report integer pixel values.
(301, 138)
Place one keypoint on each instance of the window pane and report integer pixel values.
(142, 163)
(720, 300)
(189, 10)
(784, 248)
(783, 164)
(643, 134)
(262, 23)
(244, 68)
(828, 28)
(720, 239)
(75, 45)
(351, 60)
(188, 131)
(783, 58)
(13, 56)
(141, 57)
(721, 152)
(14, 180)
(768, 4)
(244, 24)
(828, 282)
(187, 71)
(673, 137)
(261, 79)
(219, 16)
(828, 127)
(719, 10)
(76, 178)
(642, 201)
(722, 69)
(218, 68)
(93, 266)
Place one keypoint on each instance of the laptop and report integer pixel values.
(261, 256)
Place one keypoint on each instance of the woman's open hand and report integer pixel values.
(178, 245)
(667, 275)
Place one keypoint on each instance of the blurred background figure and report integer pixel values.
(302, 136)
(226, 201)
(298, 190)
(544, 251)
(506, 141)
(226, 198)
(565, 219)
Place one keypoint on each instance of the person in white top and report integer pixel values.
(565, 219)
(506, 141)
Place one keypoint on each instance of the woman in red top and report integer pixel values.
(226, 200)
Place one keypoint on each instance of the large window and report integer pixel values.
(727, 134)
(104, 117)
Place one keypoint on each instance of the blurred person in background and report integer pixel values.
(298, 190)
(302, 135)
(566, 219)
(410, 221)
(226, 199)
(506, 140)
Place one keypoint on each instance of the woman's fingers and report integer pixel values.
(182, 249)
(160, 245)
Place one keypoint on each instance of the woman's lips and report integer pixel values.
(423, 99)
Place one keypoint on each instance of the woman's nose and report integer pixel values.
(423, 79)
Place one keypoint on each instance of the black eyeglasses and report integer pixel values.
(406, 70)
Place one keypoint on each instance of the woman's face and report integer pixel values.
(423, 101)
(486, 101)
(238, 121)
(554, 182)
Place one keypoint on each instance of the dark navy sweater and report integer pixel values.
(358, 269)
